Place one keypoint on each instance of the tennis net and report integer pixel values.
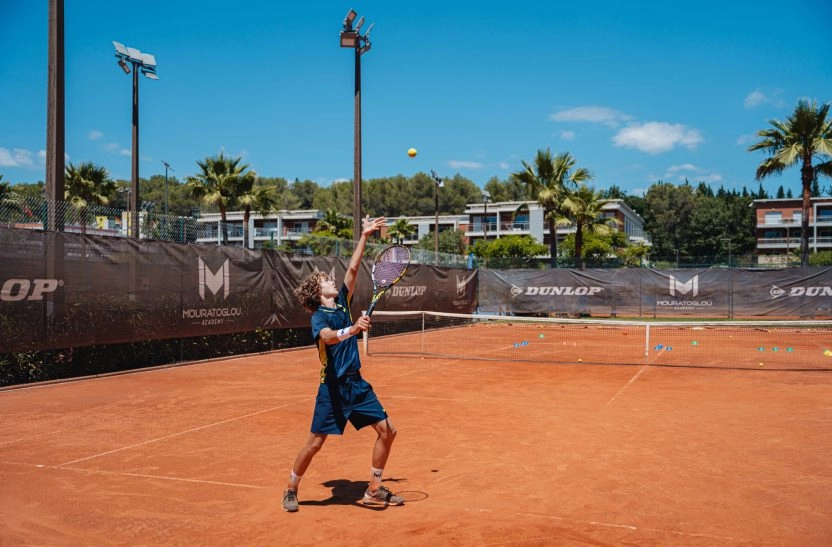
(779, 345)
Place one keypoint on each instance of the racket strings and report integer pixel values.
(390, 265)
(385, 273)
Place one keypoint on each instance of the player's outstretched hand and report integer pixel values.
(370, 226)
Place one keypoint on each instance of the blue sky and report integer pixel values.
(635, 91)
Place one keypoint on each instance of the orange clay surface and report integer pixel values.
(488, 453)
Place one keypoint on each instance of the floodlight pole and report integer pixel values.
(134, 173)
(437, 184)
(167, 166)
(351, 37)
(728, 239)
(147, 64)
(486, 195)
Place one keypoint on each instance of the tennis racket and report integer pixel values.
(388, 269)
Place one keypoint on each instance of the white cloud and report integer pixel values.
(713, 177)
(762, 96)
(673, 169)
(17, 157)
(657, 137)
(567, 135)
(95, 135)
(591, 114)
(743, 140)
(460, 164)
(692, 173)
(504, 165)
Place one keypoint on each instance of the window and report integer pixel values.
(774, 217)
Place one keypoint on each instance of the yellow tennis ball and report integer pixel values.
(828, 353)
(760, 364)
(412, 152)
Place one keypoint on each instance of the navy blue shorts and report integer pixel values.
(348, 399)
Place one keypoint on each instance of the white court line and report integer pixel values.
(138, 475)
(426, 398)
(617, 525)
(620, 391)
(466, 509)
(221, 422)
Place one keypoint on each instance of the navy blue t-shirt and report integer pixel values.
(342, 357)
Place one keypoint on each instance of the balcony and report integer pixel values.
(514, 227)
(790, 243)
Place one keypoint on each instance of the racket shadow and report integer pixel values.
(347, 492)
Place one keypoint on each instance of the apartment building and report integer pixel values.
(276, 228)
(779, 223)
(493, 220)
(479, 220)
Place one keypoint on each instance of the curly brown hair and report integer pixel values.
(309, 291)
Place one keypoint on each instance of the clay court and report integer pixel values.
(488, 453)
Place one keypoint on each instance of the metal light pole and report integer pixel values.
(728, 239)
(486, 195)
(351, 37)
(147, 64)
(677, 258)
(167, 166)
(438, 183)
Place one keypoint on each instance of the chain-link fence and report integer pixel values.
(83, 218)
(41, 214)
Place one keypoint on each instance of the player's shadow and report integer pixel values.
(347, 492)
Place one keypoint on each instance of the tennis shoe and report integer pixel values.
(382, 496)
(290, 501)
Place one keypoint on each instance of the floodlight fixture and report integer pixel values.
(349, 38)
(351, 15)
(124, 66)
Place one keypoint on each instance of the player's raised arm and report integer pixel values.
(368, 227)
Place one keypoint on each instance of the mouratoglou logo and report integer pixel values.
(691, 286)
(214, 280)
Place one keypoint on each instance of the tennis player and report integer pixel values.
(343, 395)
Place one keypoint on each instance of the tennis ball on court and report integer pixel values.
(760, 364)
(580, 360)
(828, 353)
(412, 152)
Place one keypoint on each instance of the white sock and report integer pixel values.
(294, 479)
(376, 474)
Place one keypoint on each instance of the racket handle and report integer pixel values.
(370, 309)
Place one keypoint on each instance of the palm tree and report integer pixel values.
(221, 183)
(260, 198)
(547, 181)
(87, 184)
(584, 208)
(805, 134)
(400, 230)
